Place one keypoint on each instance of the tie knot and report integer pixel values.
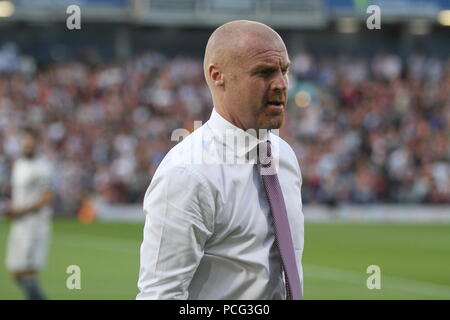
(264, 154)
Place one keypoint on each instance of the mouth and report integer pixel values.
(276, 104)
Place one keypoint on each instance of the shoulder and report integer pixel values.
(284, 149)
(184, 159)
(286, 153)
(180, 185)
(44, 164)
(188, 153)
(19, 165)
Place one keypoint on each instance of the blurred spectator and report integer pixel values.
(377, 132)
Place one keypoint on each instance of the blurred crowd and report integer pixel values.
(377, 131)
(371, 130)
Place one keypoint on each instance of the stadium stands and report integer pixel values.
(365, 130)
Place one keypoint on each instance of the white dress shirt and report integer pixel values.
(208, 231)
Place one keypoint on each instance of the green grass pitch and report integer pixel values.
(414, 261)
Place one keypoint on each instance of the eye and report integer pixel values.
(266, 72)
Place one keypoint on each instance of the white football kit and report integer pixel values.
(29, 234)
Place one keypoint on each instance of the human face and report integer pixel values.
(259, 86)
(28, 145)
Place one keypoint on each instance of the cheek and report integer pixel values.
(257, 90)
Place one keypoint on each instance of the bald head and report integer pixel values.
(245, 66)
(232, 40)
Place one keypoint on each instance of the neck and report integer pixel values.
(235, 121)
(229, 117)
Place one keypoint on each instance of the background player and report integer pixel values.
(30, 211)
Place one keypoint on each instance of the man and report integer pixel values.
(30, 213)
(226, 229)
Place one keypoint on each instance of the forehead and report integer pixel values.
(268, 52)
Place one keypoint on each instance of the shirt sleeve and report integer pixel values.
(179, 211)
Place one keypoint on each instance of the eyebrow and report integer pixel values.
(262, 66)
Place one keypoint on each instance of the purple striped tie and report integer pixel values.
(283, 237)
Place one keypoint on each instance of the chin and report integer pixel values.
(273, 122)
(276, 125)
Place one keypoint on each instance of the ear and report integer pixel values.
(215, 75)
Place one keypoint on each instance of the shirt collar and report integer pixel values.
(238, 140)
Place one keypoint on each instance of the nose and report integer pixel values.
(280, 82)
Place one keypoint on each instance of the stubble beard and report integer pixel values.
(270, 121)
